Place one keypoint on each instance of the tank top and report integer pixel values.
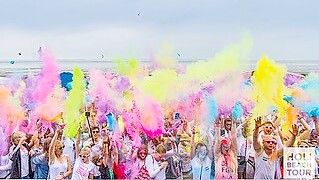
(265, 166)
(57, 168)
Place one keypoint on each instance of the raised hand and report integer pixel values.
(258, 122)
(294, 130)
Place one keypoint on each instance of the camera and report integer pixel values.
(177, 116)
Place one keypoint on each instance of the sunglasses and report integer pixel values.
(60, 148)
(271, 142)
(95, 131)
(142, 152)
(83, 156)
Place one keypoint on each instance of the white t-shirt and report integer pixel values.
(201, 170)
(57, 168)
(153, 168)
(96, 149)
(24, 163)
(82, 170)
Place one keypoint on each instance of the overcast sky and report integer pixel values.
(286, 29)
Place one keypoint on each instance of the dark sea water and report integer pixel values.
(33, 66)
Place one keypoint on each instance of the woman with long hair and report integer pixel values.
(226, 152)
(142, 173)
(19, 155)
(59, 163)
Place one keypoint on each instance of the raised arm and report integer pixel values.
(217, 136)
(306, 133)
(6, 167)
(233, 137)
(291, 140)
(294, 134)
(16, 148)
(304, 123)
(315, 119)
(77, 145)
(52, 145)
(192, 142)
(256, 144)
(114, 153)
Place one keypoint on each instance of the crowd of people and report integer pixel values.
(227, 152)
(206, 121)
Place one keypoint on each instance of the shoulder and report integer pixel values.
(194, 160)
(259, 153)
(11, 148)
(149, 157)
(91, 165)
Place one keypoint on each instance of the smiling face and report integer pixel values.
(268, 128)
(228, 124)
(85, 155)
(96, 133)
(271, 145)
(16, 136)
(201, 151)
(142, 153)
(225, 146)
(269, 142)
(160, 152)
(159, 156)
(59, 146)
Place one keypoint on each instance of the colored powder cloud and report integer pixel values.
(74, 103)
(268, 83)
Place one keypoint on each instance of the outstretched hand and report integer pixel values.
(258, 122)
(60, 128)
(219, 121)
(294, 131)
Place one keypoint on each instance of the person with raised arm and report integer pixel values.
(226, 151)
(267, 156)
(156, 164)
(59, 163)
(83, 167)
(19, 155)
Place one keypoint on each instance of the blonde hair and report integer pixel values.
(160, 149)
(85, 150)
(58, 143)
(15, 136)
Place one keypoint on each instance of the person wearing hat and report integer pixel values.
(267, 155)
